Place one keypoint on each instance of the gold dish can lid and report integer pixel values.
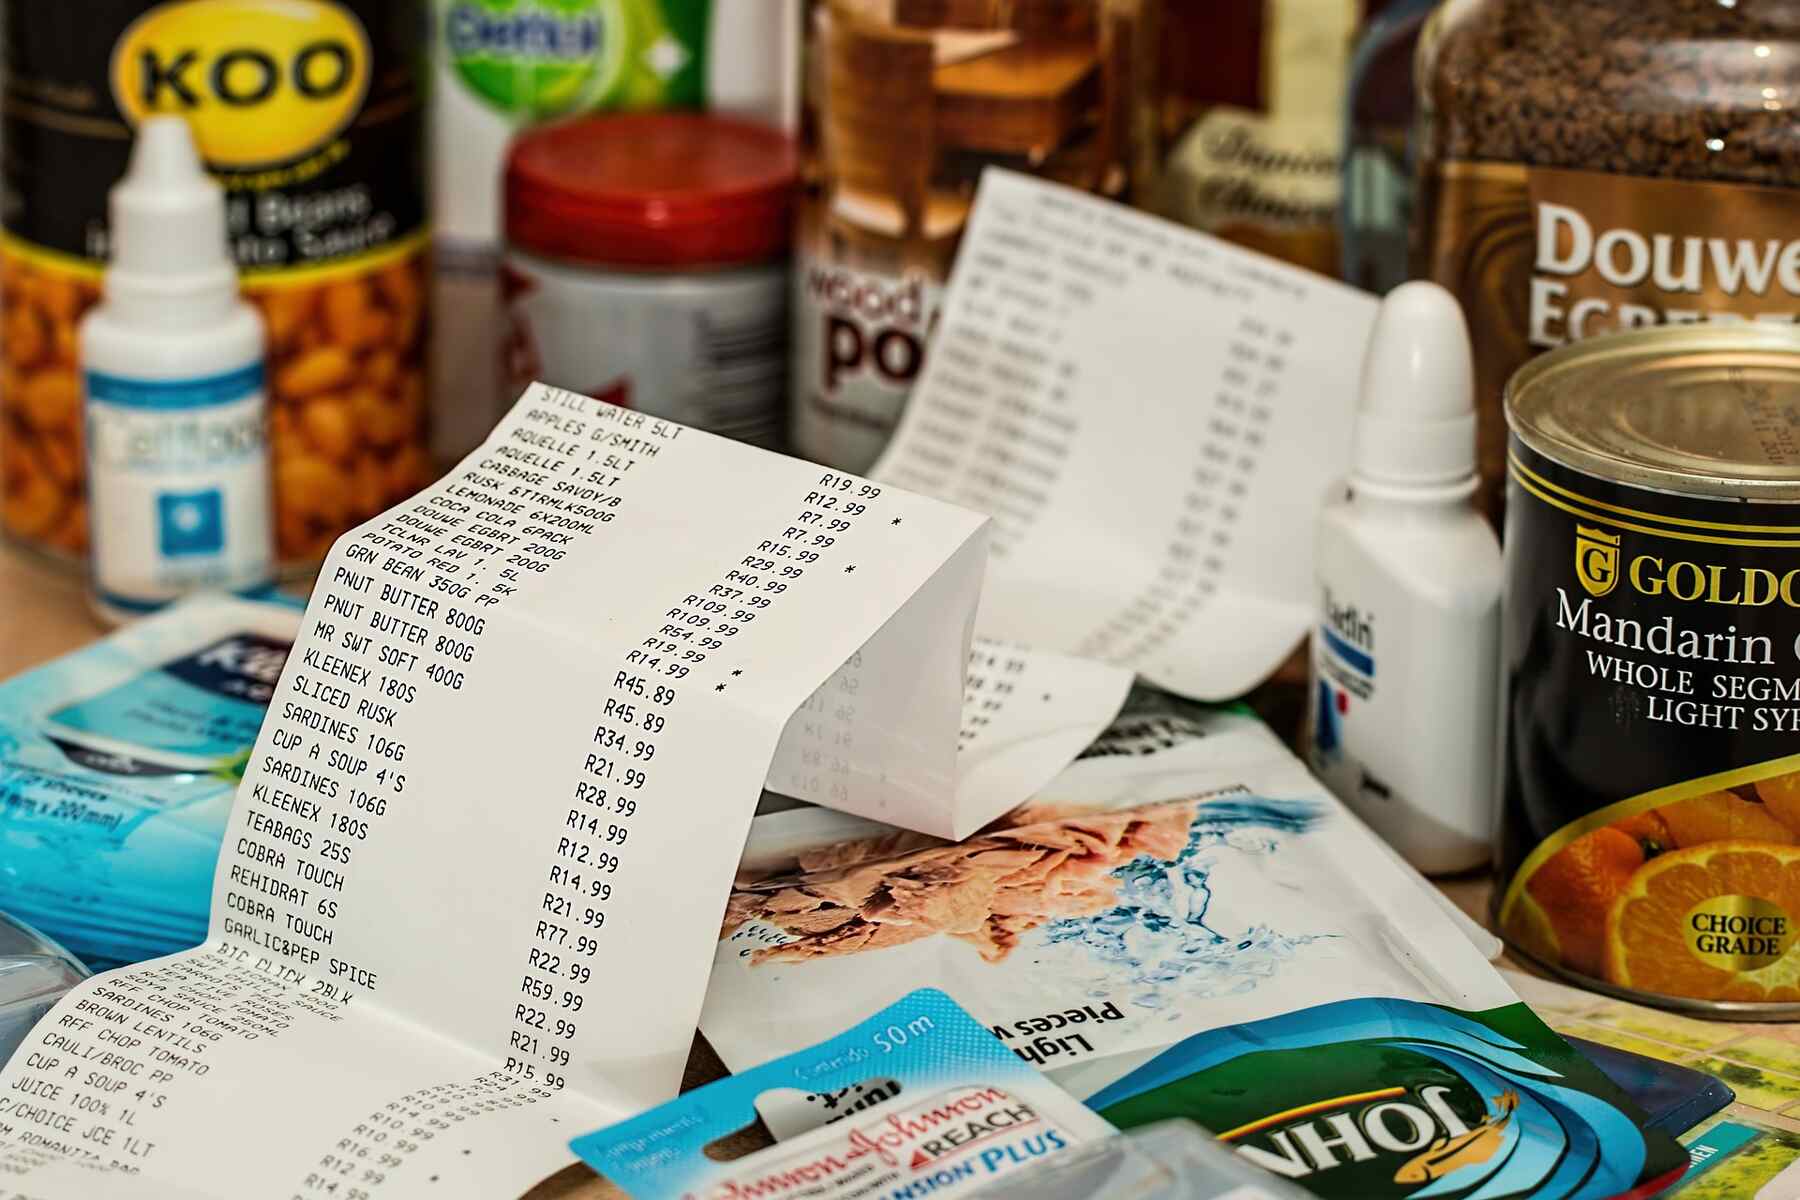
(1694, 410)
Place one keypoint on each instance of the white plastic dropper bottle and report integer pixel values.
(172, 367)
(1406, 656)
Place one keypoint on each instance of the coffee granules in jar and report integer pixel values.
(1601, 166)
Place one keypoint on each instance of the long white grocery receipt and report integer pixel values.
(1152, 416)
(472, 883)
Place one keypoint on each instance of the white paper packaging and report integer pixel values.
(1186, 874)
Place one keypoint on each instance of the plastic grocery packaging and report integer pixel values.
(1185, 924)
(117, 768)
(1171, 1160)
(1185, 873)
(916, 1100)
(1373, 1097)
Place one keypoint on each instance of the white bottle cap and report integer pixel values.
(1416, 416)
(168, 221)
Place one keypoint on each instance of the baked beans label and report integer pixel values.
(1651, 821)
(309, 114)
(1541, 257)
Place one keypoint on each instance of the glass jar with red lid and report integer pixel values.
(646, 264)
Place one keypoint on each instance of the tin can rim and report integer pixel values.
(1585, 406)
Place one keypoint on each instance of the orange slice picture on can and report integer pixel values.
(1690, 892)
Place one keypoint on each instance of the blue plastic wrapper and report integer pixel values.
(917, 1100)
(117, 768)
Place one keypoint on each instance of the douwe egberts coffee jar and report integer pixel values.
(1592, 167)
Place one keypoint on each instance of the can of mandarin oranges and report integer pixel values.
(1649, 840)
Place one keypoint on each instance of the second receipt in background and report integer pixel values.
(1152, 417)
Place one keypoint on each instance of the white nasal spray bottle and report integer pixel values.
(1405, 658)
(172, 371)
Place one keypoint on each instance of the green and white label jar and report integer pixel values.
(504, 65)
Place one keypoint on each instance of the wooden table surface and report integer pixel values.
(43, 612)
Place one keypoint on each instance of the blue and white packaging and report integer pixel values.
(1186, 873)
(173, 391)
(117, 768)
(917, 1100)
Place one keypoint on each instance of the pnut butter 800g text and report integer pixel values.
(1650, 831)
(308, 112)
